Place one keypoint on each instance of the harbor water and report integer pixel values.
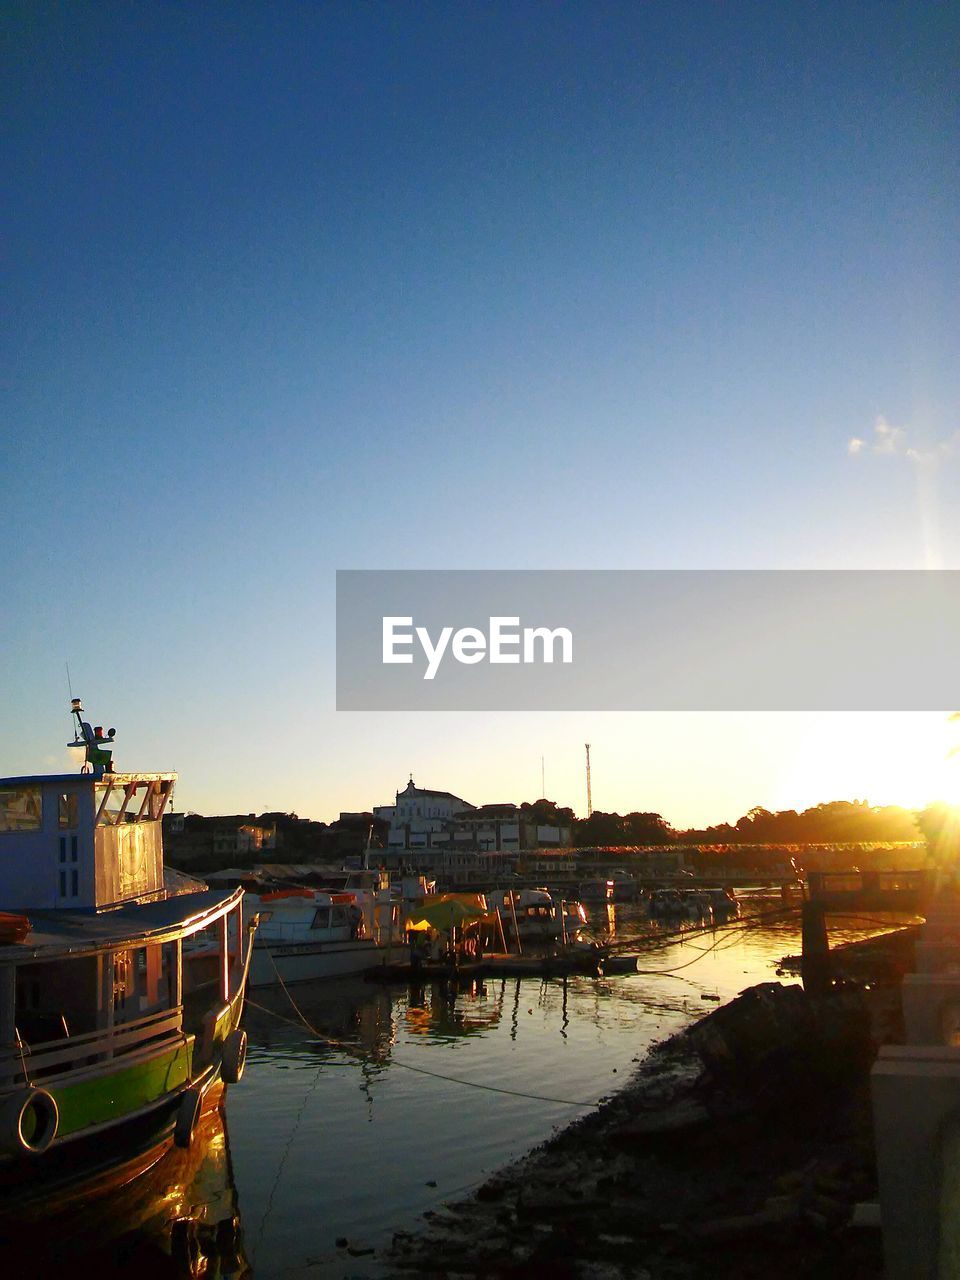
(365, 1106)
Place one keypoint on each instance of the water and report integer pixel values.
(353, 1129)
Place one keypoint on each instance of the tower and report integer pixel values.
(589, 796)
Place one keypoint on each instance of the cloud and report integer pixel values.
(942, 449)
(888, 439)
(894, 442)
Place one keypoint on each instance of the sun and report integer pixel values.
(898, 758)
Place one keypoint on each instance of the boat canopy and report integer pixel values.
(61, 934)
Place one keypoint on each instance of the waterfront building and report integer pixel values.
(421, 818)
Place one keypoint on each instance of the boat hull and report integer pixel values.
(133, 1091)
(311, 961)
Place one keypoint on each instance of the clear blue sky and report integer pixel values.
(295, 287)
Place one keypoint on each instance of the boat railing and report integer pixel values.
(53, 1056)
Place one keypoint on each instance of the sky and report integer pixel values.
(290, 288)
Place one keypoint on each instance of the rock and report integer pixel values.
(781, 1208)
(728, 1228)
(680, 1117)
(866, 1215)
(599, 1271)
(817, 1220)
(834, 1210)
(552, 1202)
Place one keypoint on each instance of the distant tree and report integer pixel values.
(837, 822)
(612, 829)
(940, 824)
(547, 813)
(647, 828)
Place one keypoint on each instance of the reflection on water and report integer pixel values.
(351, 1129)
(161, 1213)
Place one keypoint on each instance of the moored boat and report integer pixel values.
(539, 917)
(121, 986)
(309, 934)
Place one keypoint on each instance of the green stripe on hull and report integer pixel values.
(113, 1095)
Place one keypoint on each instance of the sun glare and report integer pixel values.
(905, 759)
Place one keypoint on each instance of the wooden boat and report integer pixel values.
(120, 1003)
(159, 1210)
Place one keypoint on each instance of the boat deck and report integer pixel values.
(60, 933)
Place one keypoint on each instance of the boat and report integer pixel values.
(723, 904)
(158, 1211)
(677, 905)
(539, 918)
(308, 934)
(701, 905)
(121, 982)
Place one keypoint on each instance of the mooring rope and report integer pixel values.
(408, 1066)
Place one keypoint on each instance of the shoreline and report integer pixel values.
(750, 1127)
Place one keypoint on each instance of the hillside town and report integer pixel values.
(438, 833)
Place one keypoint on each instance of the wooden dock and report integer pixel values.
(499, 965)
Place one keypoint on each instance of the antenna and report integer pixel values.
(543, 785)
(69, 685)
(98, 750)
(589, 796)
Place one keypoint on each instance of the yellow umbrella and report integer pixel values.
(446, 910)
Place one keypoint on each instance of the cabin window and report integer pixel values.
(68, 849)
(20, 808)
(321, 918)
(69, 810)
(69, 883)
(116, 802)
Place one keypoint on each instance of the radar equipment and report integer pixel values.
(98, 750)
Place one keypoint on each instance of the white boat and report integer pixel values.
(539, 918)
(307, 934)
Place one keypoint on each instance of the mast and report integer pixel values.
(98, 750)
(589, 796)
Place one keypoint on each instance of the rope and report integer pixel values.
(652, 940)
(885, 924)
(676, 968)
(408, 1066)
(268, 1211)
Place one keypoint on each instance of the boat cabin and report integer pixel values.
(81, 842)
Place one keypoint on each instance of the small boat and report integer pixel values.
(723, 904)
(539, 917)
(307, 934)
(676, 905)
(121, 985)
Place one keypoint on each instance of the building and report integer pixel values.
(421, 818)
(438, 832)
(507, 828)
